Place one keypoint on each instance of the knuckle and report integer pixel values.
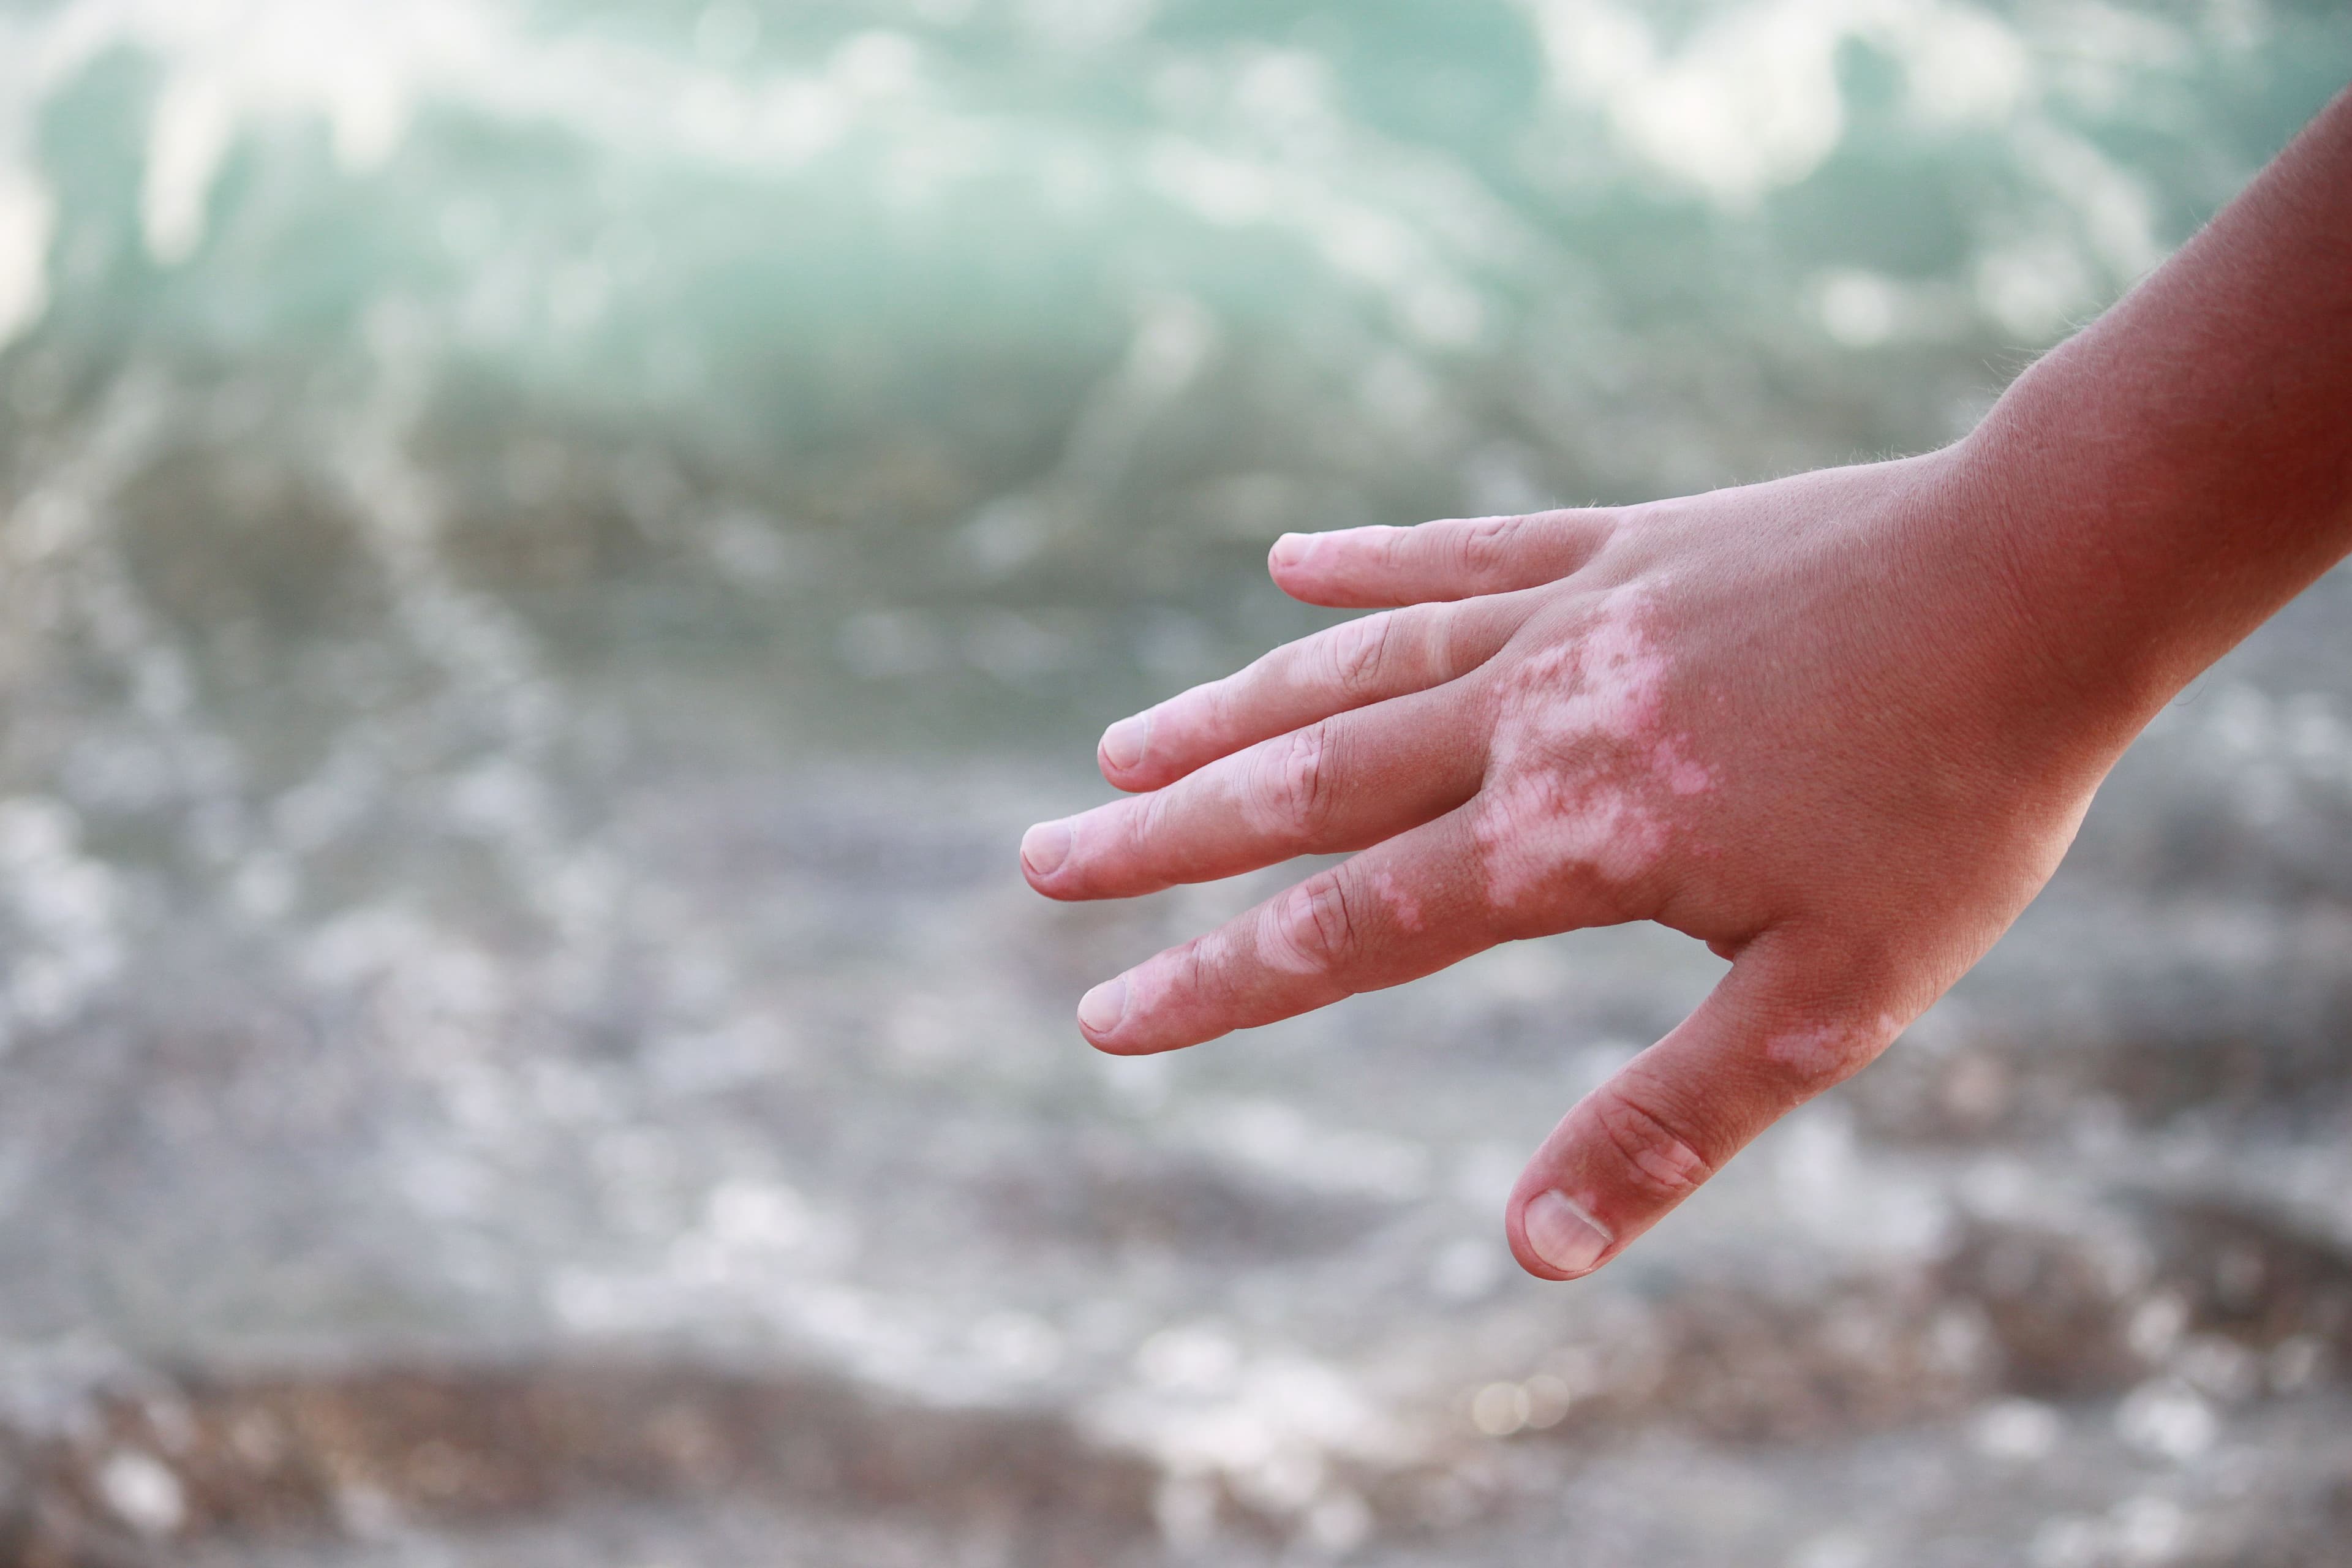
(1195, 970)
(1359, 652)
(1661, 1161)
(1439, 635)
(1311, 929)
(1485, 544)
(1290, 792)
(1396, 547)
(1147, 821)
(1191, 975)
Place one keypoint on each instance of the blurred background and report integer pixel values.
(550, 550)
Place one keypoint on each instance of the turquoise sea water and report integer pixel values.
(550, 550)
(991, 341)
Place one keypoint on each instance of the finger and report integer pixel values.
(1459, 558)
(1365, 661)
(1351, 780)
(1769, 1037)
(1404, 908)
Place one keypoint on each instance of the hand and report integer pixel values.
(1840, 727)
(1807, 722)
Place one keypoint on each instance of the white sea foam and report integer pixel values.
(28, 219)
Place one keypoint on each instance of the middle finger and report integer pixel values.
(1341, 785)
(1353, 664)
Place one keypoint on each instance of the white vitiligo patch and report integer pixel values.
(1282, 936)
(1580, 760)
(1402, 907)
(27, 223)
(1825, 1054)
(1152, 985)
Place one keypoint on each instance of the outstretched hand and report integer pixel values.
(1839, 727)
(1801, 721)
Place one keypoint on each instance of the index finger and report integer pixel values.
(1455, 558)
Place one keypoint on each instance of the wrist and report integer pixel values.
(2163, 482)
(2083, 544)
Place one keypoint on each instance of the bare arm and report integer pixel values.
(2183, 467)
(1841, 726)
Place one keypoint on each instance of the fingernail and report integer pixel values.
(1562, 1234)
(1292, 549)
(1045, 847)
(1123, 742)
(1100, 1009)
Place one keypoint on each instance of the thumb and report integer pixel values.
(1774, 1033)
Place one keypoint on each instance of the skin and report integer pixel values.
(1841, 726)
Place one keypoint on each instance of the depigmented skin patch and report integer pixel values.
(1581, 758)
(1536, 825)
(1681, 775)
(1819, 1055)
(1402, 907)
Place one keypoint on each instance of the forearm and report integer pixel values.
(2159, 485)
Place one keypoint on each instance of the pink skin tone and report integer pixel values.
(1840, 727)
